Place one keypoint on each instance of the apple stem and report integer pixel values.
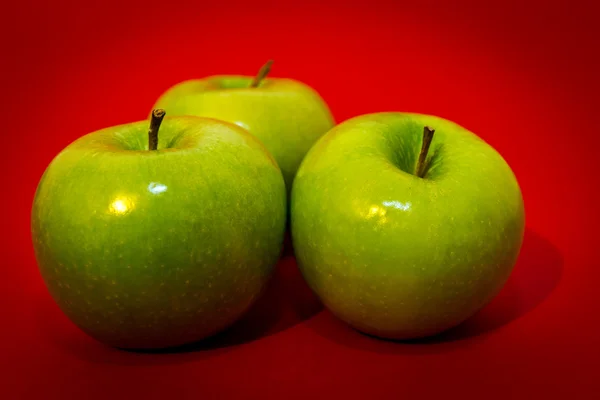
(157, 117)
(427, 137)
(262, 74)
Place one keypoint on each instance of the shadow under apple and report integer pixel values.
(535, 276)
(286, 301)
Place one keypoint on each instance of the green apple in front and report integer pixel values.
(396, 253)
(145, 248)
(286, 115)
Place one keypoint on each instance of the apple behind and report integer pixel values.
(287, 116)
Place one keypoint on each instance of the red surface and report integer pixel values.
(523, 75)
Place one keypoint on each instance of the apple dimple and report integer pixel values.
(232, 82)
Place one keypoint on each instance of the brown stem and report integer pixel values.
(262, 74)
(427, 137)
(155, 121)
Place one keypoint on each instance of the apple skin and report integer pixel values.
(395, 255)
(286, 115)
(150, 249)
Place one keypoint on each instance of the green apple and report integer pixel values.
(149, 243)
(402, 233)
(286, 115)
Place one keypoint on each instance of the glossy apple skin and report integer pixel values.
(395, 255)
(286, 115)
(149, 249)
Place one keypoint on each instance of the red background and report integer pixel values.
(522, 74)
